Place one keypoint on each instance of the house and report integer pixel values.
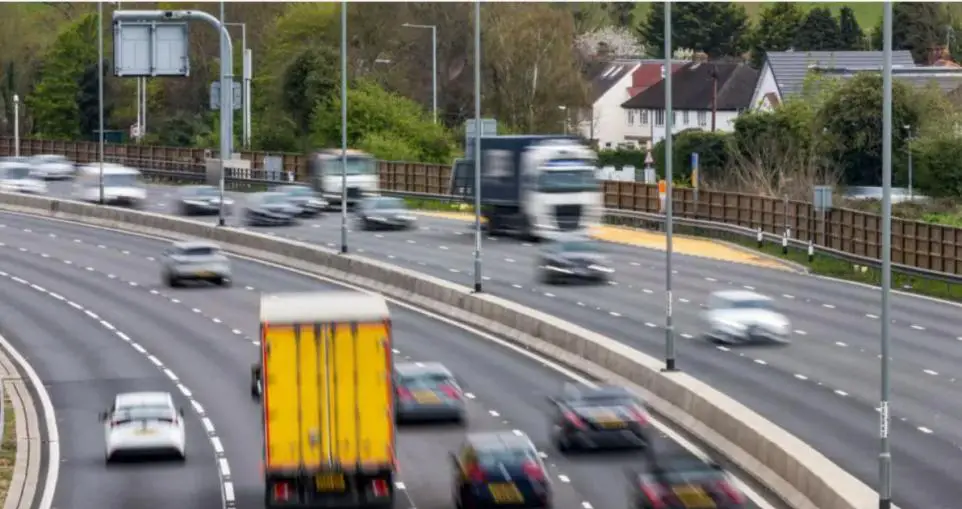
(734, 87)
(613, 83)
(784, 72)
(946, 77)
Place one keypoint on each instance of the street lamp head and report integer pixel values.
(16, 98)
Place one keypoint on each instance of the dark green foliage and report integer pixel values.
(851, 36)
(937, 171)
(310, 78)
(917, 27)
(717, 28)
(818, 32)
(88, 100)
(776, 31)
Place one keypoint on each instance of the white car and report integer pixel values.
(737, 316)
(16, 177)
(144, 424)
(52, 167)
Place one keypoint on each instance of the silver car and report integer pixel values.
(740, 316)
(427, 392)
(195, 261)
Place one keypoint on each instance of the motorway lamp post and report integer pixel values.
(477, 146)
(565, 110)
(434, 66)
(669, 326)
(885, 451)
(908, 149)
(16, 125)
(344, 127)
(246, 73)
(100, 97)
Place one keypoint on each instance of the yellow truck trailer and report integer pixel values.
(325, 381)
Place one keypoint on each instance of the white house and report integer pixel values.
(705, 95)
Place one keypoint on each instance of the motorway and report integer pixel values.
(823, 387)
(86, 308)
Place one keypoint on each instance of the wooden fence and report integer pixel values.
(914, 243)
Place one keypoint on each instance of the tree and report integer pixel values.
(309, 79)
(937, 170)
(54, 99)
(851, 36)
(776, 31)
(608, 41)
(818, 32)
(917, 27)
(88, 100)
(717, 28)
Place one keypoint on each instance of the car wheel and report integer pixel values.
(107, 458)
(173, 282)
(547, 277)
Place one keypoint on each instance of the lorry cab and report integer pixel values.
(326, 168)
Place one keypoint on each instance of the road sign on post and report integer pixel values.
(489, 127)
(822, 198)
(150, 48)
(215, 95)
(662, 192)
(694, 173)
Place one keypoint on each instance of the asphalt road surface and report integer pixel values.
(72, 294)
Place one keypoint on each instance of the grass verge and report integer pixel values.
(8, 448)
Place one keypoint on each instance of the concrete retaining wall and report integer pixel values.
(799, 475)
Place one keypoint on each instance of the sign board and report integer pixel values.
(648, 159)
(489, 127)
(215, 95)
(273, 167)
(650, 176)
(694, 170)
(150, 48)
(662, 188)
(822, 198)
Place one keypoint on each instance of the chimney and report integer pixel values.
(700, 57)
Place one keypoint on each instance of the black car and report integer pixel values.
(427, 391)
(500, 469)
(573, 259)
(383, 213)
(599, 418)
(310, 203)
(683, 482)
(270, 209)
(201, 201)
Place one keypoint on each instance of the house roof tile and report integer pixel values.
(692, 88)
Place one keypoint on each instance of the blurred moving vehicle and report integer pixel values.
(122, 185)
(427, 391)
(52, 167)
(500, 469)
(384, 213)
(683, 482)
(599, 417)
(326, 174)
(144, 424)
(270, 209)
(303, 197)
(324, 382)
(741, 317)
(195, 260)
(202, 201)
(16, 177)
(573, 258)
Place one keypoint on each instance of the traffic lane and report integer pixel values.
(514, 388)
(83, 366)
(840, 371)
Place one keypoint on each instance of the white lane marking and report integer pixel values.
(870, 315)
(917, 327)
(748, 287)
(686, 335)
(563, 478)
(828, 306)
(647, 290)
(228, 497)
(614, 313)
(800, 332)
(841, 393)
(841, 344)
(494, 413)
(683, 301)
(788, 296)
(711, 279)
(930, 372)
(759, 361)
(925, 430)
(650, 325)
(801, 377)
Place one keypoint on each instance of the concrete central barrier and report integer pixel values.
(799, 475)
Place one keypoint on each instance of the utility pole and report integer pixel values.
(885, 450)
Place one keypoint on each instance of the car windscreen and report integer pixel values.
(142, 412)
(273, 199)
(568, 181)
(49, 159)
(751, 304)
(492, 458)
(355, 166)
(198, 251)
(578, 247)
(16, 173)
(298, 191)
(424, 380)
(694, 474)
(121, 180)
(206, 192)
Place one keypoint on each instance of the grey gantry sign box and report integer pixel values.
(215, 95)
(151, 48)
(822, 198)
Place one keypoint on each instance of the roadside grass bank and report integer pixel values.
(8, 448)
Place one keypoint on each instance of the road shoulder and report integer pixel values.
(23, 484)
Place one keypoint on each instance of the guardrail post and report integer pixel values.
(785, 244)
(811, 252)
(759, 237)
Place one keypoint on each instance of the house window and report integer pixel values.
(702, 119)
(644, 117)
(659, 117)
(684, 117)
(631, 117)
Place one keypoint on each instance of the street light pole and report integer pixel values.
(434, 66)
(100, 94)
(16, 125)
(910, 139)
(344, 127)
(669, 326)
(245, 86)
(885, 452)
(477, 146)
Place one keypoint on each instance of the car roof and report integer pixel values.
(142, 398)
(194, 244)
(267, 194)
(113, 168)
(739, 295)
(196, 187)
(420, 368)
(498, 440)
(601, 391)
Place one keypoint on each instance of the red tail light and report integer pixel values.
(450, 391)
(730, 491)
(404, 394)
(639, 415)
(475, 474)
(533, 471)
(654, 494)
(282, 491)
(575, 421)
(379, 487)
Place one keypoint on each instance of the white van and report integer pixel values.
(16, 177)
(122, 185)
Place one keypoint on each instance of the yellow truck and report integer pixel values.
(325, 382)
